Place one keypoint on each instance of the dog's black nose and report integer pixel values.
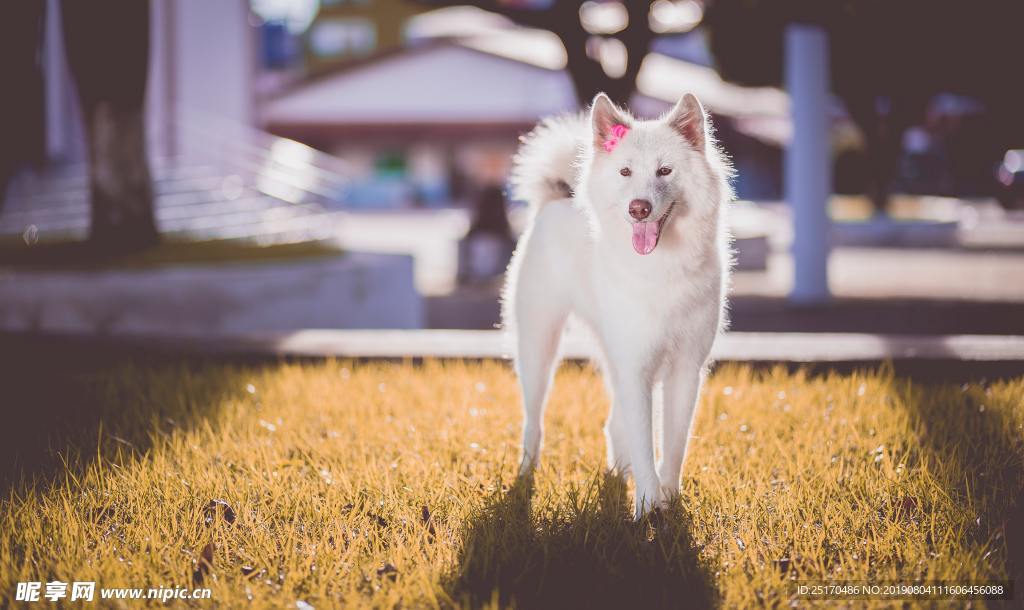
(640, 209)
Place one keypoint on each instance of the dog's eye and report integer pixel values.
(625, 171)
(664, 171)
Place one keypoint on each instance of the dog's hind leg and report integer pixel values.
(616, 430)
(536, 307)
(538, 333)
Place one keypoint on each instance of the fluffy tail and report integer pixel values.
(546, 165)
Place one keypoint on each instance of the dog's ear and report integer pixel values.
(604, 116)
(689, 120)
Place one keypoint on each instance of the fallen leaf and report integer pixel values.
(428, 521)
(218, 506)
(206, 554)
(203, 565)
(388, 570)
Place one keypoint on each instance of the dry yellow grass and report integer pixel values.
(388, 485)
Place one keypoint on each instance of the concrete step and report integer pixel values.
(799, 348)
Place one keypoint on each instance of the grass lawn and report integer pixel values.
(391, 485)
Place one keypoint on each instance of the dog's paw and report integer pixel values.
(646, 501)
(527, 468)
(667, 496)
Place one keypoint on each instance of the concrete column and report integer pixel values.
(809, 160)
(160, 93)
(65, 139)
(214, 60)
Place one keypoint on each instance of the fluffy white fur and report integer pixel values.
(654, 316)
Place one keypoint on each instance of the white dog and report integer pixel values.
(628, 236)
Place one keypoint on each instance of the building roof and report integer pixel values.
(444, 84)
(497, 83)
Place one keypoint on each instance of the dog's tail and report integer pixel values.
(546, 165)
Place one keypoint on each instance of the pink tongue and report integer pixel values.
(645, 236)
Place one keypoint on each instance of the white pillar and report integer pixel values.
(214, 59)
(160, 92)
(809, 160)
(65, 139)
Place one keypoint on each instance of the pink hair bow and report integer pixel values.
(618, 132)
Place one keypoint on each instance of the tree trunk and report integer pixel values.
(108, 52)
(120, 187)
(22, 122)
(588, 76)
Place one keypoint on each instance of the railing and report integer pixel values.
(213, 178)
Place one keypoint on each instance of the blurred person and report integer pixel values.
(487, 247)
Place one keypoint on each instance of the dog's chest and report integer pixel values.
(656, 295)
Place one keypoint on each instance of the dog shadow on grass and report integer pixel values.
(587, 554)
(977, 434)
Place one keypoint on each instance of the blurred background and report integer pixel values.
(193, 167)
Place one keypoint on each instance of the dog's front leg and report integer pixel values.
(632, 423)
(681, 391)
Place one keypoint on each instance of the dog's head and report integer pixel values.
(650, 176)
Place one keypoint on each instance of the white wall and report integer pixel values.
(213, 57)
(350, 291)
